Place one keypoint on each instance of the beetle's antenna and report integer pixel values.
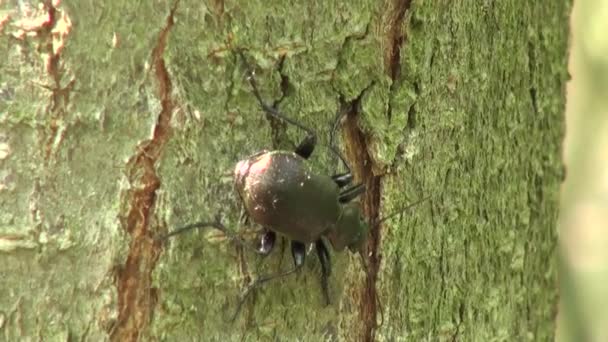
(364, 264)
(400, 211)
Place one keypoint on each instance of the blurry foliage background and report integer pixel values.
(584, 214)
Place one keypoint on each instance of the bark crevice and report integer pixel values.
(395, 37)
(136, 296)
(51, 26)
(356, 142)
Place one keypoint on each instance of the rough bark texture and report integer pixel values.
(121, 120)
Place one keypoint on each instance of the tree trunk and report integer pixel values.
(123, 120)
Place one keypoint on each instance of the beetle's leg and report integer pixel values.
(217, 224)
(334, 148)
(298, 252)
(204, 224)
(267, 242)
(325, 268)
(342, 179)
(307, 145)
(351, 193)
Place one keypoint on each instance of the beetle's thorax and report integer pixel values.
(350, 230)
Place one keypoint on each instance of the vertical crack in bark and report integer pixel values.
(532, 72)
(395, 37)
(136, 297)
(361, 163)
(394, 40)
(358, 154)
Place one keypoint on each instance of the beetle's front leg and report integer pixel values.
(342, 179)
(324, 257)
(351, 193)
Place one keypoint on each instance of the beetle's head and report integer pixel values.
(350, 230)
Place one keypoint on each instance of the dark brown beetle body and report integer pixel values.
(280, 192)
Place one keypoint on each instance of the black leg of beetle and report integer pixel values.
(351, 193)
(307, 146)
(267, 242)
(217, 224)
(332, 143)
(325, 268)
(298, 252)
(198, 225)
(342, 179)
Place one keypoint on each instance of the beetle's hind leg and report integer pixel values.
(307, 145)
(266, 242)
(325, 259)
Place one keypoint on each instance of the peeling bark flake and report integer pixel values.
(50, 26)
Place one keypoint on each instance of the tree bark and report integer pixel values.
(122, 120)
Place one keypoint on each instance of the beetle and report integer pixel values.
(281, 192)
